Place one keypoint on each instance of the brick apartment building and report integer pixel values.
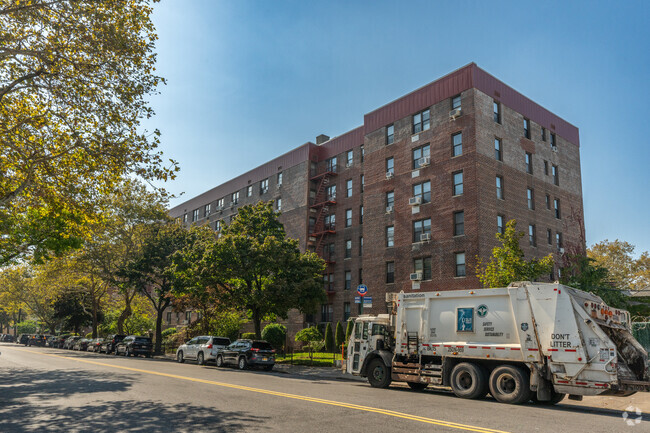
(408, 200)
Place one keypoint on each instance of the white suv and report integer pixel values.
(203, 348)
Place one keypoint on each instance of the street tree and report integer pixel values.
(313, 339)
(583, 273)
(624, 270)
(75, 79)
(507, 263)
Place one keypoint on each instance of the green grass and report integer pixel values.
(321, 359)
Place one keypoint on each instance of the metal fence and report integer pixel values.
(641, 331)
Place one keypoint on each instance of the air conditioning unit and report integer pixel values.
(389, 175)
(554, 148)
(425, 237)
(219, 208)
(453, 114)
(416, 276)
(389, 209)
(561, 250)
(415, 201)
(424, 161)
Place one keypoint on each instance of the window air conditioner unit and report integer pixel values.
(425, 237)
(453, 114)
(219, 208)
(389, 175)
(416, 276)
(415, 201)
(389, 209)
(232, 204)
(561, 250)
(554, 148)
(424, 161)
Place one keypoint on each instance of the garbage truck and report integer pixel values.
(527, 341)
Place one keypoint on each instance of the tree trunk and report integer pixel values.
(126, 313)
(95, 321)
(159, 317)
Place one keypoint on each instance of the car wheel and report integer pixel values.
(417, 386)
(469, 381)
(127, 353)
(242, 364)
(200, 359)
(179, 357)
(268, 367)
(378, 374)
(509, 384)
(115, 352)
(219, 361)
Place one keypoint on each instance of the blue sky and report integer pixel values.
(250, 80)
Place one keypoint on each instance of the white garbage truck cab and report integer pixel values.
(536, 341)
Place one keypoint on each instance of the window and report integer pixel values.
(169, 317)
(330, 252)
(390, 272)
(348, 217)
(455, 102)
(363, 152)
(500, 224)
(548, 202)
(423, 190)
(331, 165)
(558, 241)
(497, 111)
(459, 223)
(499, 187)
(348, 188)
(421, 121)
(526, 128)
(278, 204)
(234, 197)
(206, 210)
(362, 182)
(458, 183)
(360, 214)
(330, 222)
(549, 237)
(532, 235)
(543, 134)
(457, 144)
(346, 311)
(220, 203)
(390, 165)
(498, 152)
(360, 276)
(529, 163)
(348, 248)
(331, 192)
(195, 215)
(390, 236)
(348, 280)
(249, 191)
(264, 186)
(546, 167)
(418, 153)
(556, 207)
(328, 282)
(460, 264)
(390, 199)
(349, 158)
(555, 172)
(423, 265)
(553, 139)
(326, 312)
(279, 179)
(184, 218)
(530, 195)
(390, 134)
(421, 227)
(217, 226)
(360, 245)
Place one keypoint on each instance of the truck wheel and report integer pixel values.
(378, 374)
(417, 386)
(469, 381)
(556, 397)
(509, 384)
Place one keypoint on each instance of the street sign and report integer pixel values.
(362, 289)
(367, 302)
(357, 299)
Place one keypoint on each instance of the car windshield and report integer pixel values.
(220, 341)
(262, 345)
(143, 340)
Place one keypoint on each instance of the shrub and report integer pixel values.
(275, 334)
(314, 339)
(348, 331)
(340, 336)
(329, 338)
(27, 327)
(248, 336)
(167, 332)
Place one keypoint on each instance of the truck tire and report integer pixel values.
(378, 374)
(469, 381)
(509, 384)
(417, 386)
(556, 397)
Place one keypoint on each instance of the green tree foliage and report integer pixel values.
(625, 271)
(340, 336)
(139, 322)
(26, 327)
(313, 339)
(73, 309)
(248, 336)
(349, 330)
(75, 79)
(329, 338)
(507, 263)
(583, 273)
(275, 334)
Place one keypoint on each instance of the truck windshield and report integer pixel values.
(357, 330)
(378, 329)
(365, 330)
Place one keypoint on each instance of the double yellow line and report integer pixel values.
(292, 396)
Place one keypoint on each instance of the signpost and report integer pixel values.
(362, 289)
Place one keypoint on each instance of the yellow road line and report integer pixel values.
(291, 396)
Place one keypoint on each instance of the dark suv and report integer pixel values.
(245, 353)
(109, 343)
(37, 340)
(134, 345)
(23, 339)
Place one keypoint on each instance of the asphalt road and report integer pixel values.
(44, 389)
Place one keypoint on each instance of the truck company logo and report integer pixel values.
(524, 326)
(482, 310)
(465, 320)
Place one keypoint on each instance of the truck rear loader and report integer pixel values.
(529, 341)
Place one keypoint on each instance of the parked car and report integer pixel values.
(58, 341)
(23, 339)
(70, 342)
(109, 343)
(94, 344)
(134, 345)
(8, 338)
(203, 348)
(247, 353)
(37, 340)
(81, 344)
